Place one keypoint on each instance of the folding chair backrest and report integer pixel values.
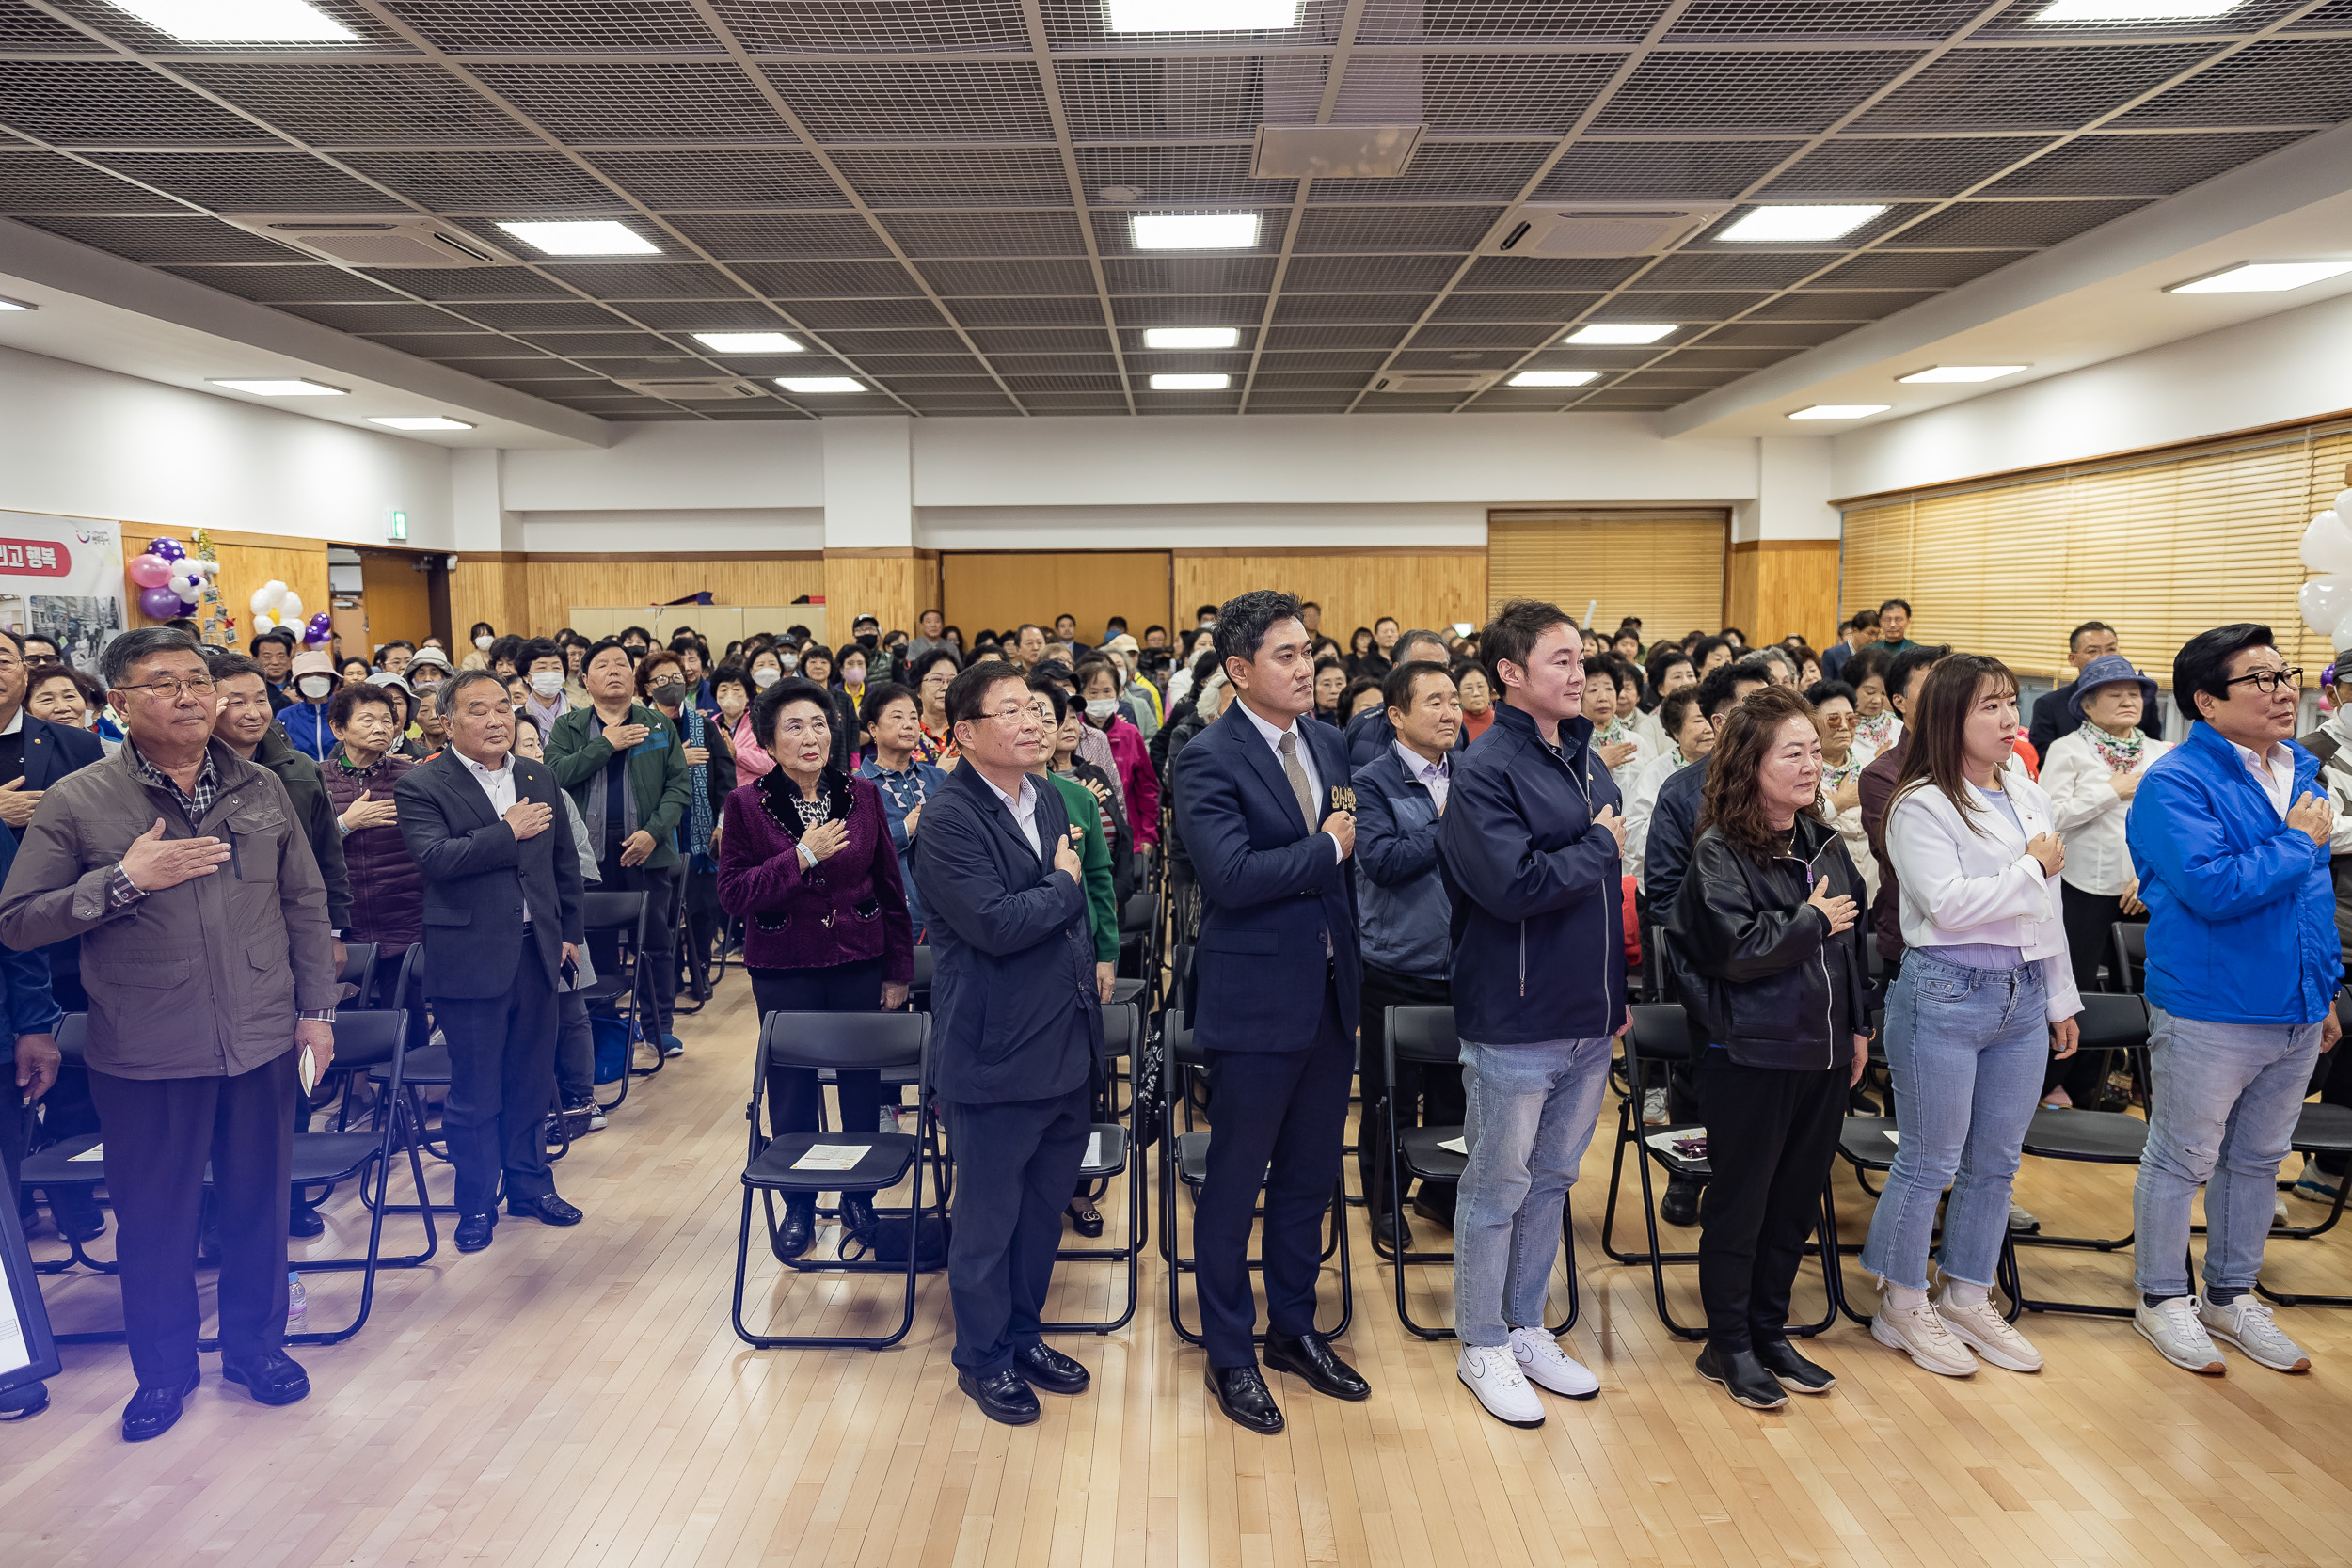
(1176, 1036)
(71, 1037)
(2129, 942)
(1135, 916)
(370, 1036)
(1123, 1028)
(1659, 972)
(1659, 1033)
(2113, 1022)
(409, 993)
(360, 969)
(851, 1042)
(1424, 1035)
(613, 912)
(920, 982)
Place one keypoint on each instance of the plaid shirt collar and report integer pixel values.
(196, 803)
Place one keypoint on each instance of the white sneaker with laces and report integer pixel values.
(1543, 1363)
(1983, 1329)
(1922, 1334)
(2246, 1322)
(1654, 1107)
(2173, 1327)
(1492, 1372)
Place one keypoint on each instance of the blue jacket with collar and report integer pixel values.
(2241, 910)
(306, 731)
(1400, 894)
(23, 977)
(1273, 886)
(1538, 889)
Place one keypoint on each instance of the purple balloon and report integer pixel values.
(168, 550)
(160, 604)
(325, 622)
(317, 635)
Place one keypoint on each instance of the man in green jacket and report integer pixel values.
(624, 767)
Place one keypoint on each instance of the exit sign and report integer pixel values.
(396, 526)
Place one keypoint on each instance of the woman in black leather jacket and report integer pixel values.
(1767, 921)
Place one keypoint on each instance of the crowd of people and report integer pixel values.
(1500, 823)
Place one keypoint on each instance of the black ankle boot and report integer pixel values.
(797, 1230)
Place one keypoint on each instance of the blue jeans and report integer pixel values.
(1528, 1115)
(2225, 1097)
(1967, 1048)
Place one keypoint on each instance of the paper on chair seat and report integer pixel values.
(95, 1152)
(1094, 1150)
(833, 1157)
(1454, 1145)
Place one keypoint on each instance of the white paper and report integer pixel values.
(1095, 1150)
(1664, 1142)
(1454, 1145)
(95, 1152)
(14, 1352)
(833, 1157)
(308, 1069)
(1893, 1137)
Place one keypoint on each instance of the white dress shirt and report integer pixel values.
(499, 784)
(2091, 813)
(1421, 770)
(2275, 768)
(1273, 738)
(1641, 804)
(1023, 809)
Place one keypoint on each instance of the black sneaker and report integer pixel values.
(1796, 1374)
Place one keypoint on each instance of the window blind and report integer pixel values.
(1664, 566)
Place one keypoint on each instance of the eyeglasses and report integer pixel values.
(1014, 712)
(170, 692)
(2269, 682)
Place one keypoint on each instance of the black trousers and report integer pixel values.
(159, 1133)
(1427, 1094)
(1279, 1121)
(502, 1058)
(796, 1097)
(1771, 1135)
(705, 921)
(2335, 1088)
(2089, 919)
(656, 968)
(1015, 1164)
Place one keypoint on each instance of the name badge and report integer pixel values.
(1343, 799)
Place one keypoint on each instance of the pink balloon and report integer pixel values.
(150, 571)
(161, 603)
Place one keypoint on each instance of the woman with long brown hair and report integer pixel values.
(1986, 996)
(1768, 918)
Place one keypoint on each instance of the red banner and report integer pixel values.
(35, 558)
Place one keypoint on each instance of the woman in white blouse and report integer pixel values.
(1844, 755)
(1984, 996)
(2091, 775)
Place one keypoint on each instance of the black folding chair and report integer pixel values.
(1112, 1154)
(426, 1067)
(2109, 1023)
(919, 984)
(55, 1167)
(614, 924)
(877, 1041)
(2321, 1130)
(2127, 955)
(360, 969)
(1185, 1158)
(1426, 1035)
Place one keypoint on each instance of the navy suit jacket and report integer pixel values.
(478, 876)
(52, 751)
(1273, 887)
(1014, 1012)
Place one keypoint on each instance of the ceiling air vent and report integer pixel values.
(399, 239)
(1434, 381)
(1600, 228)
(695, 388)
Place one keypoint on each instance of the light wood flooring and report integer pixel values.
(577, 1397)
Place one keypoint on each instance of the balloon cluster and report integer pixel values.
(171, 581)
(276, 604)
(2327, 601)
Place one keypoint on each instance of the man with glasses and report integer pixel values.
(2228, 833)
(206, 953)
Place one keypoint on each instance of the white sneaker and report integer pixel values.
(1654, 1107)
(1983, 1329)
(2246, 1322)
(2171, 1325)
(1492, 1372)
(1543, 1363)
(1922, 1334)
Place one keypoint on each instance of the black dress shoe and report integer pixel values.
(305, 1222)
(23, 1402)
(796, 1231)
(547, 1208)
(153, 1411)
(1242, 1394)
(473, 1231)
(1742, 1376)
(1434, 1211)
(78, 1222)
(1085, 1218)
(272, 1378)
(1002, 1396)
(1384, 1228)
(1041, 1365)
(1311, 1356)
(1794, 1373)
(1680, 1206)
(857, 1216)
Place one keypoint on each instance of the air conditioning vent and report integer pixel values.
(1434, 381)
(398, 240)
(696, 388)
(1599, 229)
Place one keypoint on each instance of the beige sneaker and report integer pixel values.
(1922, 1334)
(1983, 1329)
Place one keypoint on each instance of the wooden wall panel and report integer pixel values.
(489, 588)
(246, 561)
(999, 589)
(1420, 588)
(1774, 587)
(557, 584)
(394, 597)
(892, 586)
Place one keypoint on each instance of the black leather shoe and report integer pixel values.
(23, 1402)
(473, 1231)
(78, 1222)
(1041, 1365)
(1384, 1230)
(1743, 1377)
(153, 1411)
(1002, 1396)
(547, 1208)
(1311, 1356)
(305, 1222)
(797, 1230)
(1794, 1373)
(272, 1378)
(857, 1216)
(1085, 1218)
(1680, 1206)
(1242, 1394)
(1431, 1209)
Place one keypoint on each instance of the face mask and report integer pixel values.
(866, 640)
(315, 687)
(1102, 707)
(789, 661)
(669, 694)
(765, 677)
(731, 701)
(484, 642)
(853, 675)
(547, 683)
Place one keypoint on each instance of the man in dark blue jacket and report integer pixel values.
(28, 1066)
(1371, 735)
(1265, 807)
(1018, 1029)
(1532, 843)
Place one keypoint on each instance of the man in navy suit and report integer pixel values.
(503, 915)
(1266, 809)
(1018, 1030)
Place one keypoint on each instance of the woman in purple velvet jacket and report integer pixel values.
(805, 860)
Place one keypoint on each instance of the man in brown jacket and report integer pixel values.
(209, 967)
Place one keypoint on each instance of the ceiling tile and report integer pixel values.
(707, 179)
(1991, 89)
(1661, 170)
(917, 101)
(1683, 92)
(2140, 165)
(351, 105)
(671, 103)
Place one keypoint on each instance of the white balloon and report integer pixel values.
(261, 620)
(288, 607)
(263, 598)
(2325, 603)
(2327, 543)
(2342, 505)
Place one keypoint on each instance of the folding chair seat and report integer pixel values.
(1113, 1156)
(2109, 1023)
(55, 1166)
(2320, 1130)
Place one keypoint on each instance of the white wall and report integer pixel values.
(686, 468)
(748, 530)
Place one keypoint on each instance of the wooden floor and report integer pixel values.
(576, 1397)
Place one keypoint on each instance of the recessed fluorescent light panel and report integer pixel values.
(239, 21)
(1958, 373)
(821, 384)
(590, 237)
(1553, 378)
(419, 421)
(281, 387)
(1841, 411)
(16, 305)
(1200, 16)
(748, 342)
(1215, 383)
(1195, 230)
(1191, 336)
(2261, 277)
(2134, 10)
(1619, 332)
(1793, 225)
